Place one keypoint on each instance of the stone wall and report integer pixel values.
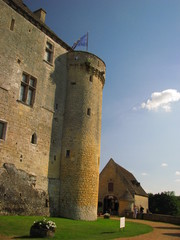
(156, 217)
(19, 194)
(65, 115)
(161, 218)
(22, 50)
(141, 201)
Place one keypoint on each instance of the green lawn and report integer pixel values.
(19, 226)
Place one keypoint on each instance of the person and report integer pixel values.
(141, 209)
(135, 211)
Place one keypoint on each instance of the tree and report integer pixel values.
(164, 203)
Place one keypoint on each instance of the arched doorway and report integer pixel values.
(111, 205)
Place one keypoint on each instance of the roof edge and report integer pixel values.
(36, 22)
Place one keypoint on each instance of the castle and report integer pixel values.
(50, 119)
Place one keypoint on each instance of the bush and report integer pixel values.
(106, 215)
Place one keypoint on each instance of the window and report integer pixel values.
(49, 52)
(67, 153)
(88, 111)
(73, 83)
(34, 138)
(91, 78)
(56, 106)
(12, 24)
(3, 126)
(28, 89)
(110, 187)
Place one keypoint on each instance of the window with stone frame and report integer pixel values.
(49, 52)
(28, 89)
(110, 187)
(3, 126)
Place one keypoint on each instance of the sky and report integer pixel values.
(139, 40)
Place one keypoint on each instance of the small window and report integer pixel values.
(34, 138)
(88, 111)
(28, 89)
(110, 187)
(3, 127)
(49, 52)
(12, 24)
(91, 78)
(73, 83)
(67, 153)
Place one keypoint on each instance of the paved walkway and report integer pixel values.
(161, 231)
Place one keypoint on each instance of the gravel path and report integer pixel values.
(161, 231)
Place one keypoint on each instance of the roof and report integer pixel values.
(23, 10)
(133, 185)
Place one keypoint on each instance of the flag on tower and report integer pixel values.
(83, 41)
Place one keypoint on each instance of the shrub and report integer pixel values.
(106, 215)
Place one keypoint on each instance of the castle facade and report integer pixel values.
(50, 119)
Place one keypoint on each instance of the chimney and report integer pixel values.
(41, 14)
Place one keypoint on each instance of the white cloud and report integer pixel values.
(161, 100)
(144, 174)
(177, 173)
(164, 165)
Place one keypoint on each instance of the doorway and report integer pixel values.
(111, 205)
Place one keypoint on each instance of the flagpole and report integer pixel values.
(87, 43)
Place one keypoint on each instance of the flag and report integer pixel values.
(83, 41)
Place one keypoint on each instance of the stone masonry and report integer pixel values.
(50, 123)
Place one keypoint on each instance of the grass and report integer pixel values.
(19, 226)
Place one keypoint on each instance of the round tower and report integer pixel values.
(79, 170)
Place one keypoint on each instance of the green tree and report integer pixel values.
(164, 203)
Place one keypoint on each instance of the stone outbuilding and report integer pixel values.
(119, 191)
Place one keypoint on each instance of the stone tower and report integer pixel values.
(80, 155)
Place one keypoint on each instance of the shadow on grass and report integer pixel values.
(107, 232)
(23, 237)
(171, 228)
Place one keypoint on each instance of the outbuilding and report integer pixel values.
(119, 191)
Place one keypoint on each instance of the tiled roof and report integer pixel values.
(23, 10)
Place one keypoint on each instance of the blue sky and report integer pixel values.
(139, 40)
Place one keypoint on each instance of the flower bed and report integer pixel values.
(43, 228)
